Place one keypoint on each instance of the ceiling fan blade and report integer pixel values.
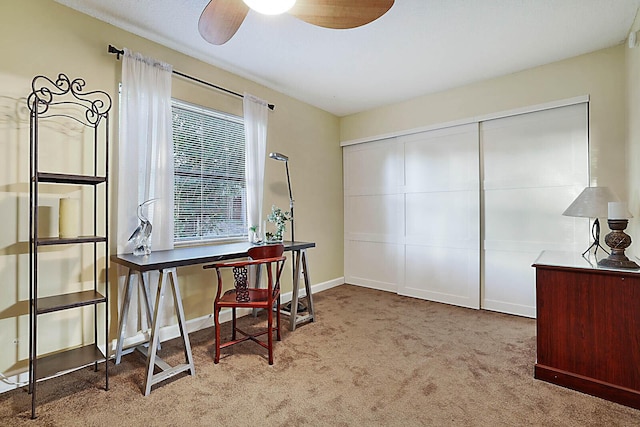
(221, 19)
(340, 14)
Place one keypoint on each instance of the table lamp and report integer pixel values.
(593, 202)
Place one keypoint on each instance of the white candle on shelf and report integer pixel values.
(69, 218)
(618, 210)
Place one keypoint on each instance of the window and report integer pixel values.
(209, 179)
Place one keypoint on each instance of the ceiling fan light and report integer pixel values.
(270, 7)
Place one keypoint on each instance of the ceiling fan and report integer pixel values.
(220, 19)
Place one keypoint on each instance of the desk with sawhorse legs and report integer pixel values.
(165, 263)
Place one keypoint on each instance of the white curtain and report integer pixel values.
(255, 130)
(145, 161)
(145, 170)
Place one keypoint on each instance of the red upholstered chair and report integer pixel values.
(244, 296)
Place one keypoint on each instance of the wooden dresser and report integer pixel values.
(588, 327)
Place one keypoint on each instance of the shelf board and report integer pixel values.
(46, 241)
(60, 178)
(71, 300)
(60, 363)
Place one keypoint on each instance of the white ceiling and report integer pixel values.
(418, 47)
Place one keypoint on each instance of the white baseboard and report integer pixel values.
(372, 284)
(21, 379)
(509, 308)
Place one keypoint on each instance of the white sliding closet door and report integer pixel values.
(418, 207)
(373, 214)
(534, 165)
(442, 216)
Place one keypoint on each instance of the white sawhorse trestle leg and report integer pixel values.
(153, 360)
(300, 264)
(126, 302)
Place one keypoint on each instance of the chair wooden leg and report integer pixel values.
(233, 323)
(278, 319)
(216, 321)
(270, 333)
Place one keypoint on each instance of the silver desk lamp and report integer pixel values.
(281, 157)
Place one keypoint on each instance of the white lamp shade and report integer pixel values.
(593, 202)
(619, 210)
(270, 7)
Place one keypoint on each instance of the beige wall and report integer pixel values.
(43, 37)
(633, 138)
(601, 75)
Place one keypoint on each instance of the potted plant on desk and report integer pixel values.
(279, 218)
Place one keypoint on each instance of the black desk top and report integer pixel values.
(193, 255)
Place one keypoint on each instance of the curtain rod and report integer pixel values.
(119, 52)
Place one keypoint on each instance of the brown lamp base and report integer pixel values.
(618, 263)
(618, 241)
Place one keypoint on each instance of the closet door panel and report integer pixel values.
(441, 212)
(443, 274)
(373, 218)
(373, 168)
(532, 214)
(372, 264)
(442, 160)
(540, 149)
(423, 263)
(513, 283)
(447, 218)
(534, 165)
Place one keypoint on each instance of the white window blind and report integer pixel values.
(210, 191)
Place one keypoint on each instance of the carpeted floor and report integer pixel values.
(372, 358)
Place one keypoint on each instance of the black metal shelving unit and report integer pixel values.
(54, 100)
